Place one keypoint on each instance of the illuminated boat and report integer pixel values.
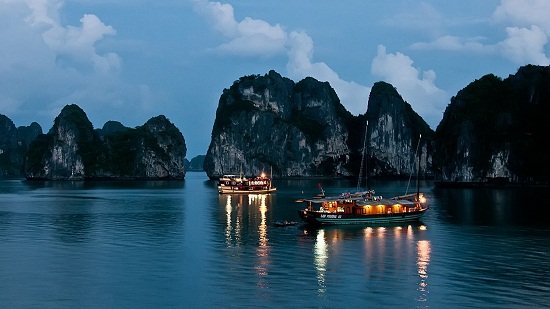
(363, 208)
(236, 184)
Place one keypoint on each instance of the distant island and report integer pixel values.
(494, 131)
(73, 150)
(196, 164)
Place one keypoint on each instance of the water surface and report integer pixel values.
(180, 244)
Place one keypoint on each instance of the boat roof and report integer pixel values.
(342, 197)
(360, 200)
(243, 176)
(405, 203)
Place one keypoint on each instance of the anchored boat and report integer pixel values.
(364, 207)
(236, 184)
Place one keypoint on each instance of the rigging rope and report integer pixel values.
(414, 161)
(362, 160)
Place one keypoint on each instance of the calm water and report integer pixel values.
(180, 244)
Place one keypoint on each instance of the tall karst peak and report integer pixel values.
(297, 129)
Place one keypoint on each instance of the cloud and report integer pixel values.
(417, 88)
(419, 16)
(257, 38)
(527, 28)
(75, 43)
(525, 45)
(454, 43)
(524, 13)
(69, 44)
(249, 37)
(529, 31)
(353, 95)
(45, 64)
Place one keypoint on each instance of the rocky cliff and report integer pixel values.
(302, 129)
(72, 149)
(496, 130)
(264, 122)
(393, 135)
(13, 146)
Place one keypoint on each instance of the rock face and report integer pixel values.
(265, 122)
(302, 129)
(497, 130)
(13, 146)
(73, 150)
(196, 164)
(393, 133)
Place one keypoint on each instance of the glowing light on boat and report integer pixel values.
(423, 199)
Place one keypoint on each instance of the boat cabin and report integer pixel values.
(361, 205)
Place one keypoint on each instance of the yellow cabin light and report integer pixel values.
(422, 199)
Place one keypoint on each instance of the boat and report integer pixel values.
(238, 184)
(364, 207)
(284, 223)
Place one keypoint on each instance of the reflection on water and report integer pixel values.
(320, 253)
(487, 206)
(423, 261)
(228, 228)
(67, 246)
(250, 209)
(385, 251)
(262, 252)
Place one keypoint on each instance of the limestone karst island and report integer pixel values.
(491, 132)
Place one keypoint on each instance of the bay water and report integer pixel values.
(179, 244)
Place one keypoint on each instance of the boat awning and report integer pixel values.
(405, 203)
(387, 202)
(338, 198)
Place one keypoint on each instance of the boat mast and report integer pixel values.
(418, 170)
(416, 155)
(363, 160)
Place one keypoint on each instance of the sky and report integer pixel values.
(131, 60)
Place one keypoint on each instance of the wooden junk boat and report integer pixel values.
(235, 184)
(365, 207)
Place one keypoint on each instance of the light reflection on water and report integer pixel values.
(155, 245)
(262, 252)
(320, 261)
(423, 261)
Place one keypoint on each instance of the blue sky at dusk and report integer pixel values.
(132, 60)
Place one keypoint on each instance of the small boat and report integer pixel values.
(236, 184)
(364, 207)
(284, 223)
